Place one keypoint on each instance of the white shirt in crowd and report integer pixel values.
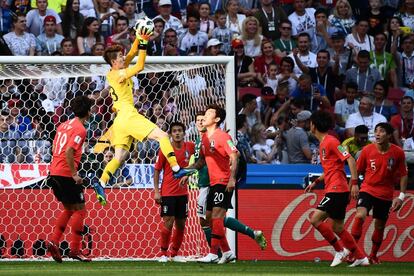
(45, 46)
(303, 23)
(370, 122)
(173, 23)
(34, 21)
(86, 8)
(343, 108)
(20, 44)
(236, 27)
(252, 50)
(308, 60)
(367, 45)
(199, 41)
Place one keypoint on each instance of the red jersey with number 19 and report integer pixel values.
(381, 170)
(72, 134)
(171, 185)
(216, 150)
(332, 156)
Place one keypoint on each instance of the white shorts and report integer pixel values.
(202, 202)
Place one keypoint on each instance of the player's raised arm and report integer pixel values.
(132, 52)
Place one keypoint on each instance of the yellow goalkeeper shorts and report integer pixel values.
(130, 125)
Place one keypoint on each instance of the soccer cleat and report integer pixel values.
(260, 239)
(179, 259)
(163, 259)
(210, 258)
(184, 172)
(340, 257)
(374, 260)
(53, 249)
(227, 257)
(80, 257)
(360, 262)
(100, 193)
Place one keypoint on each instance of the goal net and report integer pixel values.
(35, 95)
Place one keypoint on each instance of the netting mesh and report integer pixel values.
(35, 99)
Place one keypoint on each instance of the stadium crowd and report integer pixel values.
(352, 58)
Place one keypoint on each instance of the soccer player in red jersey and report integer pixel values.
(65, 180)
(381, 163)
(173, 197)
(336, 198)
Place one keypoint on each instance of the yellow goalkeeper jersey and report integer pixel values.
(121, 92)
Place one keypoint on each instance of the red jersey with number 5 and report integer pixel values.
(217, 150)
(70, 134)
(381, 170)
(332, 156)
(171, 185)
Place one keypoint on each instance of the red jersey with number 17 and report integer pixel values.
(71, 134)
(217, 150)
(332, 156)
(381, 170)
(171, 185)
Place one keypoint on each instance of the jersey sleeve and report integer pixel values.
(159, 165)
(228, 144)
(340, 150)
(402, 166)
(77, 138)
(362, 160)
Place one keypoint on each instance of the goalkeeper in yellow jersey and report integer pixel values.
(129, 124)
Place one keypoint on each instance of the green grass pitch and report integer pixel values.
(239, 268)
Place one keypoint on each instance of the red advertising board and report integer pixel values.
(283, 215)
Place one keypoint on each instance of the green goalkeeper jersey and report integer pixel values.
(203, 179)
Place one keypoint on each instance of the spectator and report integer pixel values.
(382, 105)
(170, 20)
(6, 18)
(4, 48)
(355, 144)
(8, 139)
(313, 94)
(56, 5)
(222, 32)
(265, 103)
(250, 110)
(286, 74)
(407, 13)
(89, 36)
(268, 57)
(340, 54)
(342, 17)
(106, 15)
(121, 177)
(376, 17)
(49, 41)
(303, 19)
(206, 24)
(245, 74)
(270, 79)
(383, 61)
(323, 31)
(285, 44)
(360, 40)
(98, 49)
(297, 139)
(20, 42)
(21, 122)
(403, 123)
(121, 34)
(155, 47)
(193, 40)
(251, 36)
(35, 18)
(264, 150)
(406, 62)
(66, 46)
(363, 76)
(72, 19)
(303, 52)
(394, 35)
(171, 43)
(270, 17)
(365, 116)
(87, 8)
(129, 8)
(243, 140)
(346, 107)
(213, 47)
(234, 20)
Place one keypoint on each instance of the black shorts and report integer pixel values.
(66, 190)
(334, 204)
(174, 206)
(380, 208)
(219, 197)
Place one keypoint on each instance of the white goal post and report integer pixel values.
(20, 68)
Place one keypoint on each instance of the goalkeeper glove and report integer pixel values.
(143, 40)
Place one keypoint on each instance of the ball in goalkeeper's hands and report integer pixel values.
(144, 26)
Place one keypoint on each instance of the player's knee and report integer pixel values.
(315, 221)
(168, 222)
(360, 214)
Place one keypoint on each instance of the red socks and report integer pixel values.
(357, 228)
(78, 218)
(326, 231)
(377, 237)
(218, 237)
(177, 240)
(350, 243)
(165, 240)
(60, 225)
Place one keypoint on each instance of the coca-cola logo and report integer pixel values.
(293, 225)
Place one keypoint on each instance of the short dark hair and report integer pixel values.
(240, 120)
(121, 17)
(220, 112)
(381, 33)
(351, 85)
(407, 98)
(321, 10)
(322, 121)
(384, 85)
(81, 105)
(247, 98)
(219, 13)
(304, 35)
(361, 129)
(286, 21)
(288, 60)
(386, 126)
(200, 113)
(324, 51)
(364, 54)
(174, 124)
(111, 53)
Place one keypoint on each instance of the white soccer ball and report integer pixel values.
(144, 26)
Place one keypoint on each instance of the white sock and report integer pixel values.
(175, 168)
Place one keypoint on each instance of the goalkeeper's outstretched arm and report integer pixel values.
(132, 52)
(142, 42)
